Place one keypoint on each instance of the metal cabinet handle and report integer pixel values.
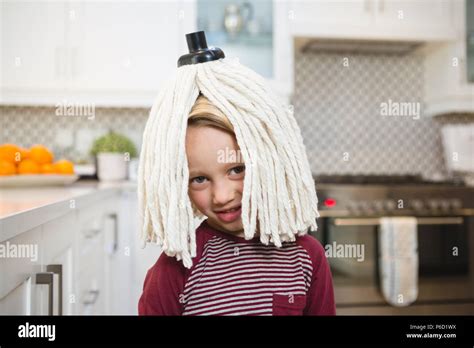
(91, 233)
(58, 269)
(95, 295)
(420, 221)
(46, 278)
(115, 241)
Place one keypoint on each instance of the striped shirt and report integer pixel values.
(234, 276)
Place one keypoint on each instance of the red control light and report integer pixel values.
(330, 202)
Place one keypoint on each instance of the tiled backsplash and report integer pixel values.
(337, 107)
(69, 136)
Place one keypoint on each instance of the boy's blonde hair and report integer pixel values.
(279, 193)
(204, 113)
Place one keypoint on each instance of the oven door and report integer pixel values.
(446, 262)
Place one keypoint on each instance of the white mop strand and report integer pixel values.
(279, 192)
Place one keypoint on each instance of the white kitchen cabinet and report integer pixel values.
(446, 88)
(90, 274)
(121, 227)
(19, 293)
(415, 20)
(58, 243)
(123, 49)
(26, 283)
(309, 18)
(100, 53)
(84, 255)
(33, 48)
(266, 49)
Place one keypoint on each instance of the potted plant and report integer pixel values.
(113, 152)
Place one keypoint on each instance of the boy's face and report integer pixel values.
(216, 176)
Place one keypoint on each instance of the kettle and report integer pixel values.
(233, 18)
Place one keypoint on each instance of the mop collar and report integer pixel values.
(198, 50)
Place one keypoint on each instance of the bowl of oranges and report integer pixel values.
(34, 166)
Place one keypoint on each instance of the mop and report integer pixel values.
(279, 196)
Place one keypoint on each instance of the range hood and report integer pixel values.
(355, 46)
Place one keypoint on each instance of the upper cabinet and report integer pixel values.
(256, 32)
(448, 80)
(240, 29)
(120, 53)
(414, 20)
(33, 47)
(105, 53)
(124, 49)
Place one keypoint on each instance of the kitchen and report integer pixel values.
(383, 91)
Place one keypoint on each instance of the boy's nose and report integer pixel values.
(222, 195)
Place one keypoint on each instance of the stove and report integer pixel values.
(376, 196)
(384, 180)
(350, 209)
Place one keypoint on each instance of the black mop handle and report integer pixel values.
(198, 50)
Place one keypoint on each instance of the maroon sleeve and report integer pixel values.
(163, 286)
(320, 297)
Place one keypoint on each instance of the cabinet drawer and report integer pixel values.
(21, 259)
(90, 290)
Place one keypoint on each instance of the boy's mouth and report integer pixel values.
(229, 215)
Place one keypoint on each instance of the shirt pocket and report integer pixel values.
(288, 304)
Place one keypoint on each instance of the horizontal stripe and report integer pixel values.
(251, 309)
(249, 264)
(236, 294)
(233, 305)
(264, 256)
(248, 283)
(226, 300)
(246, 276)
(261, 312)
(230, 249)
(259, 272)
(216, 294)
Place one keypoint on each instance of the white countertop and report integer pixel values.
(24, 208)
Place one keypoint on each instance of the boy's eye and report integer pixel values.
(198, 179)
(238, 169)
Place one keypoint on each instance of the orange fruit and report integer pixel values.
(47, 168)
(40, 154)
(28, 166)
(10, 153)
(7, 168)
(64, 167)
(24, 153)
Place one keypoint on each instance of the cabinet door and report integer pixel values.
(89, 259)
(19, 294)
(416, 19)
(58, 239)
(32, 46)
(118, 231)
(123, 49)
(328, 18)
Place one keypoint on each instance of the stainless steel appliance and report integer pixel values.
(350, 208)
